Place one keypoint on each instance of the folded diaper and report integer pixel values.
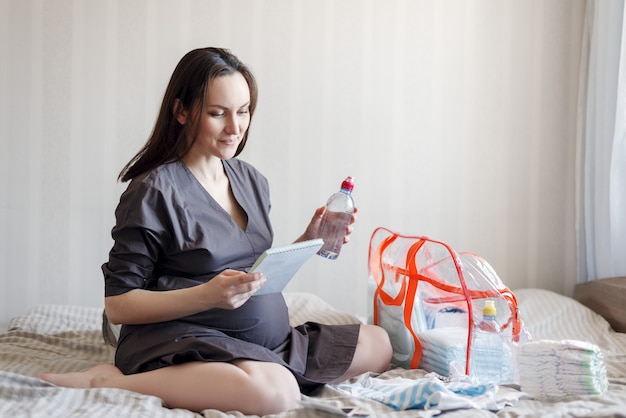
(553, 369)
(444, 350)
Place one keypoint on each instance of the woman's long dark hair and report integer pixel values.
(189, 83)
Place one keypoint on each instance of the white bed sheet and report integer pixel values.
(53, 338)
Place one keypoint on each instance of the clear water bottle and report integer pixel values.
(487, 350)
(339, 210)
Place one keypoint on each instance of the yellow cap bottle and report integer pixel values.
(489, 308)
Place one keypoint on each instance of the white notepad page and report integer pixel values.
(280, 264)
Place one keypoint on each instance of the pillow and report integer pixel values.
(52, 319)
(303, 307)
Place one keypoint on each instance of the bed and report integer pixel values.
(54, 338)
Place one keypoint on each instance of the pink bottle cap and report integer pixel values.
(348, 183)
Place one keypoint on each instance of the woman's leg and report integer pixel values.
(373, 352)
(252, 387)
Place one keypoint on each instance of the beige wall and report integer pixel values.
(457, 119)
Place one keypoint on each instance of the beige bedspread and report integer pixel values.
(54, 338)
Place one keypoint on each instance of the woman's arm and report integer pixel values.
(228, 290)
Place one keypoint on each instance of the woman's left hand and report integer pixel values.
(313, 229)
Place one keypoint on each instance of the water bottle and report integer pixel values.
(339, 210)
(487, 350)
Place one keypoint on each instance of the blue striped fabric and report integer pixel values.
(424, 393)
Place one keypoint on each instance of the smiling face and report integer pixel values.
(225, 118)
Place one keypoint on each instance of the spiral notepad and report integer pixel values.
(280, 264)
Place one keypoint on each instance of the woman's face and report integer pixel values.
(226, 117)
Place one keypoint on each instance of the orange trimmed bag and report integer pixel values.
(428, 298)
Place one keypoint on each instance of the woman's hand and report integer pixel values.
(313, 229)
(228, 290)
(231, 288)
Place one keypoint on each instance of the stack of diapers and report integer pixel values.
(554, 369)
(444, 350)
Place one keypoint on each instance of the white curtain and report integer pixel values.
(601, 147)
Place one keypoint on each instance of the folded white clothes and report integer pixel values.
(553, 369)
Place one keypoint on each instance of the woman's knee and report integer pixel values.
(376, 342)
(279, 396)
(272, 388)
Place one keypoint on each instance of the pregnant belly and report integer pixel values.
(262, 320)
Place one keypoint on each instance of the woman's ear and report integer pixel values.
(179, 112)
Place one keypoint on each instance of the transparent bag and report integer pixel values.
(429, 298)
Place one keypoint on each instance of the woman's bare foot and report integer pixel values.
(90, 378)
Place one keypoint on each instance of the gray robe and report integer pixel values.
(171, 234)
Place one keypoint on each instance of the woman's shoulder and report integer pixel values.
(163, 180)
(162, 176)
(241, 165)
(153, 193)
(245, 171)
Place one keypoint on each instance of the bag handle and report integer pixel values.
(415, 276)
(514, 320)
(375, 267)
(406, 294)
(410, 296)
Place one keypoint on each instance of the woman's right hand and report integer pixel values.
(228, 290)
(232, 288)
